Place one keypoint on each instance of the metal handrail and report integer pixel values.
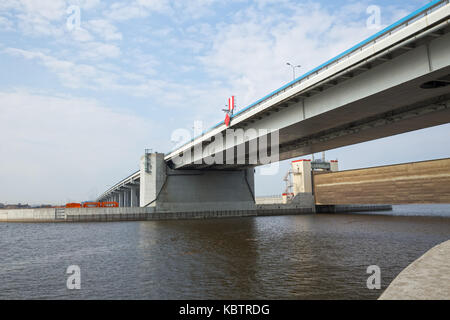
(119, 183)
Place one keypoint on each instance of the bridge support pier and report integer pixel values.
(121, 200)
(194, 190)
(134, 197)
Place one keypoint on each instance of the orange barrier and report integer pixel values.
(92, 205)
(73, 205)
(111, 204)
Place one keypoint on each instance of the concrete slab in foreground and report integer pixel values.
(427, 278)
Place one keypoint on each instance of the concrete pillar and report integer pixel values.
(301, 176)
(121, 195)
(194, 190)
(134, 198)
(126, 195)
(153, 175)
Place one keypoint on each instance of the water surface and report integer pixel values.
(290, 257)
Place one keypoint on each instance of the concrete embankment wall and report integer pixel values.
(139, 214)
(74, 215)
(27, 215)
(152, 213)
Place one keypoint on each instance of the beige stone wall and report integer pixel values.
(411, 183)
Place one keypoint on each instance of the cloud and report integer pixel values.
(251, 51)
(48, 17)
(38, 17)
(85, 4)
(71, 75)
(99, 50)
(171, 95)
(56, 148)
(179, 11)
(76, 75)
(6, 24)
(104, 29)
(194, 9)
(121, 11)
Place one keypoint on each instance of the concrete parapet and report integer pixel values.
(270, 200)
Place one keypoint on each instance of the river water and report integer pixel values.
(288, 257)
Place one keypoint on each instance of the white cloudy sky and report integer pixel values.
(78, 107)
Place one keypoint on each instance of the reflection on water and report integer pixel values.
(292, 257)
(442, 210)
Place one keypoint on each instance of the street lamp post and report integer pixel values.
(293, 68)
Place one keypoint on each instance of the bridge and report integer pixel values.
(394, 82)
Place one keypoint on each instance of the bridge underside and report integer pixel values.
(425, 182)
(374, 118)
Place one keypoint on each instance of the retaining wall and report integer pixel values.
(138, 214)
